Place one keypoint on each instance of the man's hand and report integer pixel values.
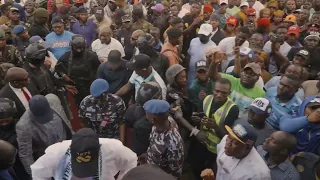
(195, 119)
(207, 174)
(67, 79)
(208, 122)
(71, 89)
(202, 137)
(47, 63)
(142, 159)
(236, 51)
(196, 21)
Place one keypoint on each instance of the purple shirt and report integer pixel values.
(87, 30)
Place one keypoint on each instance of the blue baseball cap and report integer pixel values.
(18, 29)
(38, 39)
(98, 87)
(156, 106)
(40, 108)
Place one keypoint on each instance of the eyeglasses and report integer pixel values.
(134, 39)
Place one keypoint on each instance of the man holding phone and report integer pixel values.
(218, 111)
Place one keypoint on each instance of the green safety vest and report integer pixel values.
(219, 116)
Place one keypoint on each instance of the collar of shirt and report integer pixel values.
(282, 166)
(289, 104)
(214, 32)
(150, 77)
(14, 89)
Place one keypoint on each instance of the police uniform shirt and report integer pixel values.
(166, 150)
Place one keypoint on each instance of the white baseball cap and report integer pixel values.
(205, 29)
(261, 106)
(223, 1)
(244, 4)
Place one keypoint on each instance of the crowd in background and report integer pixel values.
(153, 90)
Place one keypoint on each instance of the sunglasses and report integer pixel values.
(134, 39)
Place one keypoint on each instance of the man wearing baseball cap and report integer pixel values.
(244, 89)
(39, 27)
(49, 126)
(86, 156)
(197, 49)
(99, 18)
(251, 14)
(143, 72)
(259, 111)
(290, 20)
(293, 35)
(103, 111)
(301, 58)
(237, 157)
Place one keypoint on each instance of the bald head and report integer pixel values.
(138, 33)
(105, 30)
(16, 74)
(7, 154)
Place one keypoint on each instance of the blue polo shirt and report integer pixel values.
(87, 30)
(280, 109)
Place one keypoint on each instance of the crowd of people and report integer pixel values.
(154, 90)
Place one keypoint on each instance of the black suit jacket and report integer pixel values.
(217, 37)
(7, 92)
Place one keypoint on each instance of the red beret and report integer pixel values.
(207, 8)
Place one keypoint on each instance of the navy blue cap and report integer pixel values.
(38, 39)
(18, 29)
(98, 87)
(156, 106)
(40, 108)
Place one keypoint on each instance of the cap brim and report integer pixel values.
(45, 44)
(231, 133)
(256, 110)
(131, 66)
(313, 104)
(252, 70)
(292, 32)
(47, 117)
(84, 170)
(204, 33)
(202, 68)
(302, 55)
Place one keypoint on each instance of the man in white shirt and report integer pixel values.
(86, 156)
(237, 159)
(105, 44)
(228, 44)
(143, 72)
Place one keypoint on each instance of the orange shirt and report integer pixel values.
(171, 52)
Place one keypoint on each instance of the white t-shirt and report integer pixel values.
(284, 50)
(226, 45)
(103, 50)
(250, 167)
(258, 6)
(155, 77)
(259, 83)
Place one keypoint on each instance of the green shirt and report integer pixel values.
(198, 91)
(242, 96)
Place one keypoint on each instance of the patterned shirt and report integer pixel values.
(166, 149)
(283, 171)
(105, 118)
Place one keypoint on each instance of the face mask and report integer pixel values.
(204, 39)
(37, 62)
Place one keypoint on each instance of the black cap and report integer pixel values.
(303, 53)
(201, 65)
(81, 9)
(114, 59)
(40, 108)
(243, 132)
(57, 20)
(174, 32)
(84, 149)
(315, 102)
(139, 62)
(147, 172)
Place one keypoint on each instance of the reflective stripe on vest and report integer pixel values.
(219, 117)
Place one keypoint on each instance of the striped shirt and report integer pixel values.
(280, 109)
(283, 171)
